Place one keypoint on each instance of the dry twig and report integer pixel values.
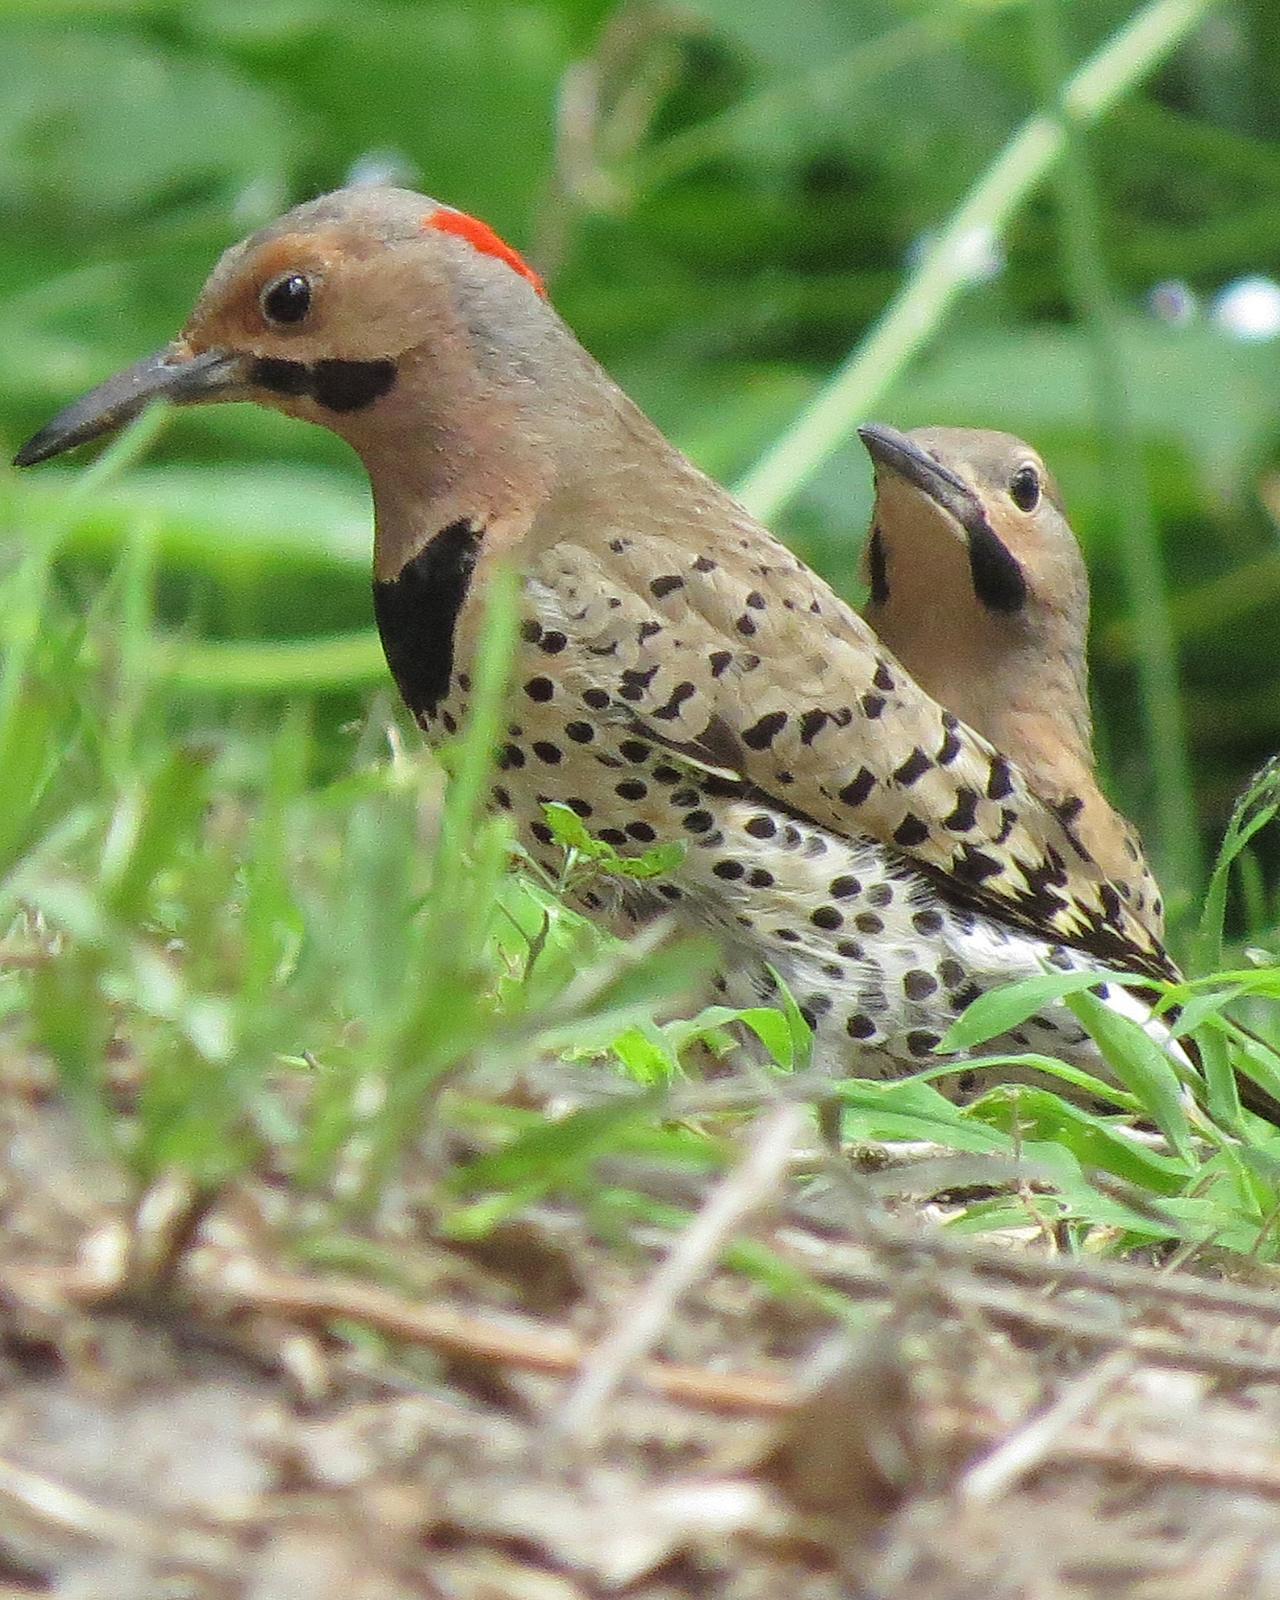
(53, 1506)
(640, 1323)
(517, 1342)
(1025, 1448)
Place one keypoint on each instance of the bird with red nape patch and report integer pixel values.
(680, 675)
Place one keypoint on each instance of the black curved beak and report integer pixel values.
(897, 453)
(171, 375)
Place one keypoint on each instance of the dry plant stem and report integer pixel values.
(219, 1283)
(1158, 1349)
(1023, 1450)
(103, 1274)
(640, 1324)
(1254, 1473)
(915, 314)
(52, 1505)
(514, 1342)
(249, 1287)
(962, 1289)
(124, 1255)
(883, 1237)
(1131, 1282)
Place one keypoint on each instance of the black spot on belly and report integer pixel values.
(762, 734)
(913, 768)
(965, 815)
(911, 832)
(999, 779)
(812, 723)
(417, 613)
(921, 1042)
(856, 791)
(974, 866)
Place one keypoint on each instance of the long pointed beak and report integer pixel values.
(171, 375)
(899, 454)
(998, 579)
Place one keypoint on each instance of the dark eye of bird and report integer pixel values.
(286, 300)
(1024, 488)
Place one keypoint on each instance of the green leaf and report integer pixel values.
(149, 828)
(1001, 1010)
(911, 1108)
(543, 1155)
(1141, 1066)
(1256, 807)
(645, 1056)
(1252, 1056)
(570, 832)
(1041, 1116)
(632, 982)
(1220, 1080)
(778, 1032)
(656, 862)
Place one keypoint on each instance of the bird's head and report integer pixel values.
(408, 328)
(971, 521)
(321, 315)
(977, 582)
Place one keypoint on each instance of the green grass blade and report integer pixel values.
(1127, 505)
(915, 314)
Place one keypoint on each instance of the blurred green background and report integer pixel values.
(724, 198)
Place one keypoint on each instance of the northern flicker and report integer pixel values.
(680, 673)
(979, 587)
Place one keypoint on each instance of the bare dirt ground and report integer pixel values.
(234, 1398)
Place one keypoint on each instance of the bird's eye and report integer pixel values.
(287, 299)
(1024, 488)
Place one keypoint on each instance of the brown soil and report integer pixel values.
(236, 1397)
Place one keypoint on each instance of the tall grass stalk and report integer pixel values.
(1128, 500)
(919, 308)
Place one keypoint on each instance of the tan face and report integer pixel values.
(331, 294)
(321, 320)
(970, 523)
(316, 316)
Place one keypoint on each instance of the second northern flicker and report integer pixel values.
(680, 673)
(979, 587)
